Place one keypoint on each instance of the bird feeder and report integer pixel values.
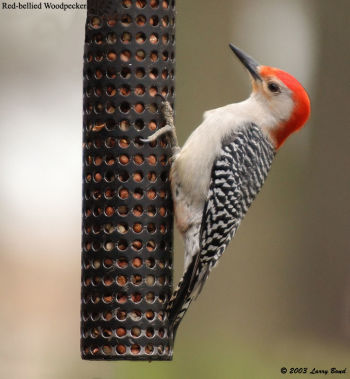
(127, 207)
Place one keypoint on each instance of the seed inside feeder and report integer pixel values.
(122, 280)
(137, 262)
(121, 349)
(135, 331)
(121, 332)
(122, 263)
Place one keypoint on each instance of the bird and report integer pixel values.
(222, 166)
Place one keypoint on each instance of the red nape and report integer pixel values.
(302, 109)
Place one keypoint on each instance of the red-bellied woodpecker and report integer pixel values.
(217, 174)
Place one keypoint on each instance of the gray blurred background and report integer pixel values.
(281, 294)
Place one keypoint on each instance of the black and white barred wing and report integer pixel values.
(237, 176)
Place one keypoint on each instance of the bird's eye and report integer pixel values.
(273, 87)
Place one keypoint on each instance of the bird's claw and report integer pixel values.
(169, 128)
(161, 96)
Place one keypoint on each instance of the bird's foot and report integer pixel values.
(169, 128)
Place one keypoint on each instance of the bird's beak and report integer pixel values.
(249, 62)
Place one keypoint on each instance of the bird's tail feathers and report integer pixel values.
(188, 289)
(180, 293)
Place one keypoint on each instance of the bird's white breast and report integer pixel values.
(192, 166)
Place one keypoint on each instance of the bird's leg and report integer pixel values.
(169, 128)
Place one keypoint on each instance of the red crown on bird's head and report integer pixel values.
(301, 110)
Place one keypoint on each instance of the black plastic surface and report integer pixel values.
(113, 282)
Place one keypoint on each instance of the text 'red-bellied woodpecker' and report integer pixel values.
(217, 174)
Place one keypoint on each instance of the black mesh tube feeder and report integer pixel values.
(127, 206)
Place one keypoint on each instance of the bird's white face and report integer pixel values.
(275, 96)
(284, 98)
